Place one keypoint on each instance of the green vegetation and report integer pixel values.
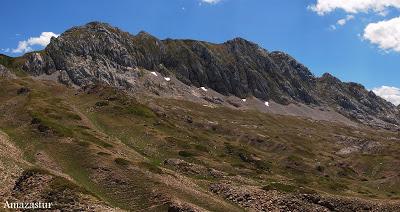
(101, 103)
(140, 110)
(104, 154)
(13, 64)
(151, 167)
(280, 187)
(5, 60)
(185, 154)
(121, 161)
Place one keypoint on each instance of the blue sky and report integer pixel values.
(310, 34)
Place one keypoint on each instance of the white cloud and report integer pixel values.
(210, 1)
(385, 34)
(6, 50)
(342, 22)
(323, 7)
(26, 45)
(391, 94)
(23, 47)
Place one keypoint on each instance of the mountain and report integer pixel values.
(98, 52)
(102, 120)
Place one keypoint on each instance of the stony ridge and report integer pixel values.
(98, 52)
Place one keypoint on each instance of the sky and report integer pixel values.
(355, 40)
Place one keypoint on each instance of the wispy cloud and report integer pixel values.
(27, 45)
(210, 1)
(391, 94)
(342, 22)
(6, 50)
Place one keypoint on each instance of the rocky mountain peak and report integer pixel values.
(97, 24)
(98, 52)
(144, 34)
(241, 41)
(289, 64)
(241, 44)
(329, 78)
(92, 28)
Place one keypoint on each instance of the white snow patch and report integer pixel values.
(154, 73)
(266, 104)
(244, 100)
(167, 79)
(204, 89)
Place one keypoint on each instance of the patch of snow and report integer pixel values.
(167, 79)
(204, 89)
(348, 150)
(244, 100)
(154, 73)
(267, 104)
(210, 106)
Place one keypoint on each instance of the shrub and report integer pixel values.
(121, 161)
(101, 104)
(185, 154)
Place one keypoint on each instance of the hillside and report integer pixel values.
(106, 121)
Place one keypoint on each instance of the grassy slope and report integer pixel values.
(114, 147)
(46, 119)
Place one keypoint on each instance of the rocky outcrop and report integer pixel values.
(193, 169)
(354, 101)
(39, 64)
(98, 52)
(5, 73)
(257, 199)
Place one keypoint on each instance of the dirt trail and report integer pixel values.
(7, 148)
(11, 165)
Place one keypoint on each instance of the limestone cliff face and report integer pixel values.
(5, 73)
(98, 52)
